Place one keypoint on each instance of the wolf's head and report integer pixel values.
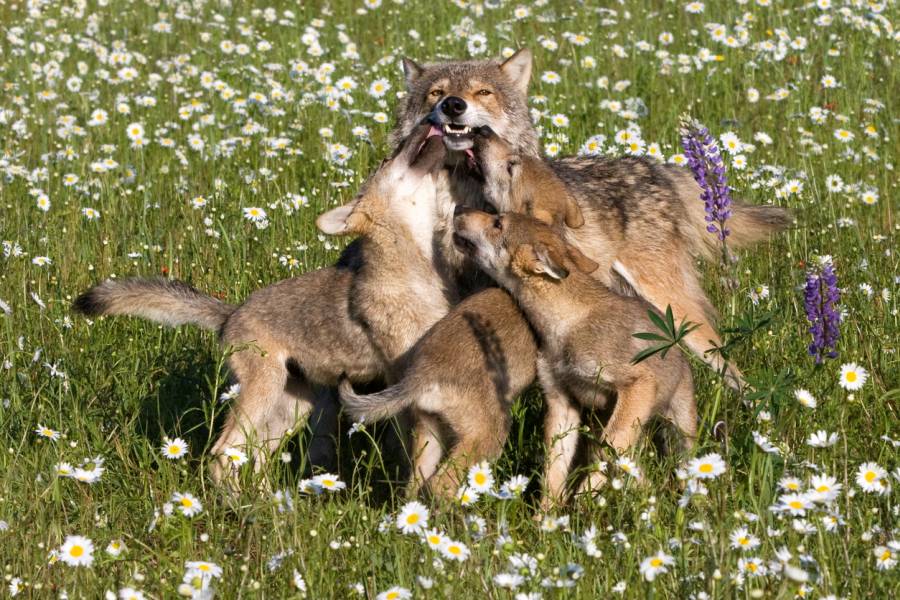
(513, 247)
(463, 95)
(401, 192)
(517, 182)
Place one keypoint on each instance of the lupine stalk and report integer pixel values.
(706, 162)
(820, 299)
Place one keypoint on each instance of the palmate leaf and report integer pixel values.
(670, 334)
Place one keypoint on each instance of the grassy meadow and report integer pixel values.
(199, 140)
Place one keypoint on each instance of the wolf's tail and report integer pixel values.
(167, 301)
(377, 406)
(748, 224)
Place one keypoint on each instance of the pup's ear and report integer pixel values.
(574, 218)
(342, 220)
(540, 260)
(518, 69)
(412, 71)
(582, 262)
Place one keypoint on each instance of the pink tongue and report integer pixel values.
(434, 131)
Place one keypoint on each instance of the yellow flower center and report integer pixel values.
(412, 519)
(393, 595)
(886, 555)
(706, 468)
(795, 504)
(480, 478)
(743, 541)
(454, 550)
(203, 567)
(870, 476)
(751, 567)
(851, 376)
(186, 502)
(823, 488)
(655, 562)
(76, 551)
(174, 449)
(433, 539)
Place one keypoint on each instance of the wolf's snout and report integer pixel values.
(453, 106)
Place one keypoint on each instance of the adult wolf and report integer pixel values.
(644, 222)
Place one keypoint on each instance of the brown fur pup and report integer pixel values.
(289, 339)
(585, 335)
(399, 291)
(644, 222)
(462, 378)
(301, 334)
(523, 183)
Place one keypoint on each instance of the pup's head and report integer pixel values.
(401, 190)
(513, 247)
(516, 182)
(460, 96)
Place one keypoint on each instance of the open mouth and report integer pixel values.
(463, 244)
(458, 137)
(456, 130)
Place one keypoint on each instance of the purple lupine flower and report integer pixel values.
(820, 298)
(708, 167)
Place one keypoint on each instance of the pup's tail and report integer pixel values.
(167, 301)
(377, 406)
(748, 224)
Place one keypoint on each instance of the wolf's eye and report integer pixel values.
(436, 93)
(483, 93)
(498, 224)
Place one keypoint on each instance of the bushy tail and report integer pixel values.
(167, 301)
(751, 223)
(377, 406)
(748, 224)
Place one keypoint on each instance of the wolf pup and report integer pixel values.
(463, 375)
(586, 342)
(399, 291)
(644, 222)
(292, 338)
(523, 183)
(289, 339)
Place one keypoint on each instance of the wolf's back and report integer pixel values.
(167, 301)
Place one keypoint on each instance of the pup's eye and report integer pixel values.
(483, 93)
(436, 93)
(498, 224)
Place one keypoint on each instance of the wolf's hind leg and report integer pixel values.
(259, 403)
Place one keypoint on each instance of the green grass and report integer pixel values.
(127, 383)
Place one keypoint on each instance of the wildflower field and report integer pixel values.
(200, 140)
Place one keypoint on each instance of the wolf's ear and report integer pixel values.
(341, 220)
(582, 262)
(518, 69)
(574, 218)
(412, 71)
(540, 260)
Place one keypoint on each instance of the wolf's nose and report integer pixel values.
(453, 106)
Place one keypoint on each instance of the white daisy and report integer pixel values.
(77, 551)
(805, 398)
(413, 517)
(872, 478)
(480, 478)
(655, 565)
(706, 467)
(174, 449)
(187, 504)
(853, 377)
